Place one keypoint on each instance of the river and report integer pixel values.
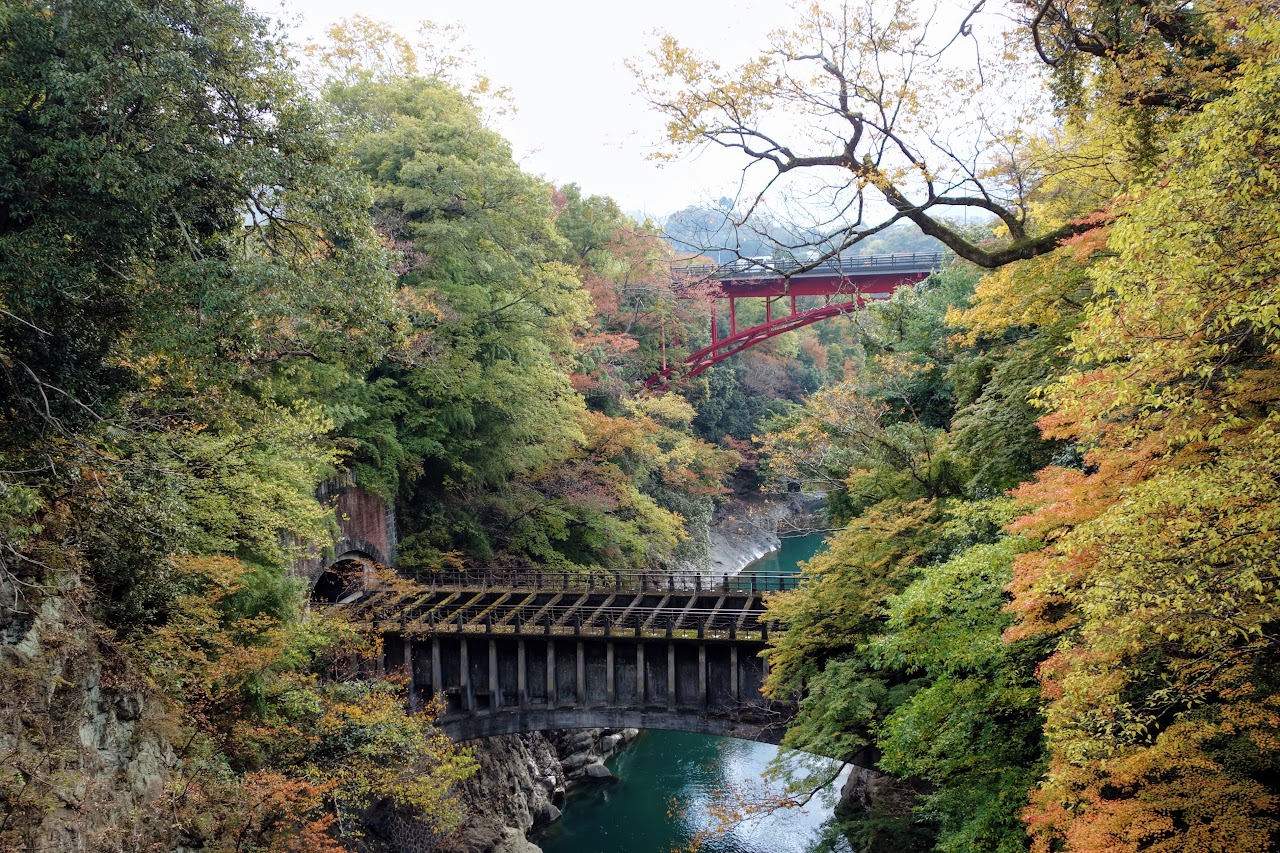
(669, 782)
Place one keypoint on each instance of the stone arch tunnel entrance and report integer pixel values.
(343, 580)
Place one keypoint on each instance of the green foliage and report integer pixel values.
(124, 187)
(1156, 578)
(996, 429)
(191, 293)
(974, 732)
(246, 670)
(880, 434)
(491, 308)
(1103, 679)
(475, 424)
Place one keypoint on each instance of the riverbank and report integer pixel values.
(521, 784)
(745, 528)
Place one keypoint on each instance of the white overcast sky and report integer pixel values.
(578, 117)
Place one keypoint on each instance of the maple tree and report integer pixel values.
(1159, 572)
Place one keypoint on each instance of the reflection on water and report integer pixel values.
(670, 784)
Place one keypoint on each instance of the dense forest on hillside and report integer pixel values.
(232, 271)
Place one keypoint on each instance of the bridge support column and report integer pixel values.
(464, 676)
(522, 675)
(437, 676)
(640, 679)
(702, 676)
(582, 673)
(408, 662)
(609, 691)
(733, 674)
(495, 691)
(552, 697)
(671, 675)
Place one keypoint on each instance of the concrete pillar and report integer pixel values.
(552, 698)
(702, 676)
(671, 675)
(733, 674)
(522, 675)
(640, 679)
(582, 673)
(437, 677)
(495, 691)
(464, 675)
(408, 662)
(608, 673)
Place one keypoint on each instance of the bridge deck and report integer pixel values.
(873, 275)
(731, 615)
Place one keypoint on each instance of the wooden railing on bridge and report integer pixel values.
(617, 581)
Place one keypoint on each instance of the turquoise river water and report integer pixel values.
(669, 781)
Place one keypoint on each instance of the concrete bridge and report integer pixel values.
(517, 652)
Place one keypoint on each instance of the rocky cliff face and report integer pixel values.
(743, 532)
(517, 787)
(521, 782)
(745, 528)
(83, 756)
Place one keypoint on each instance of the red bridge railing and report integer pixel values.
(764, 268)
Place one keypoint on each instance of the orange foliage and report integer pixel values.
(285, 815)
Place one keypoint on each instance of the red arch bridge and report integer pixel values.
(843, 285)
